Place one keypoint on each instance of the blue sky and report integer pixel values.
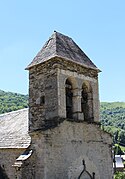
(97, 26)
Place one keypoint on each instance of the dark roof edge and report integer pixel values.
(29, 67)
(13, 112)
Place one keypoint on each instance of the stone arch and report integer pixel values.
(70, 85)
(73, 81)
(87, 101)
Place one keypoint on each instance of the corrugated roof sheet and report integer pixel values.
(62, 46)
(14, 129)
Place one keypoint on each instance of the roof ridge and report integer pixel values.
(12, 112)
(56, 41)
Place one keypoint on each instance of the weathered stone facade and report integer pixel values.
(63, 118)
(7, 159)
(58, 152)
(47, 81)
(64, 115)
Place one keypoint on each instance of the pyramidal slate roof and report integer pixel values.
(64, 47)
(14, 129)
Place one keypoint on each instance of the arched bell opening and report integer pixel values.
(69, 99)
(87, 102)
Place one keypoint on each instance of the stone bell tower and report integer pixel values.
(64, 115)
(63, 84)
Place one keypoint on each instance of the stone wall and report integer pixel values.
(43, 104)
(47, 98)
(60, 144)
(7, 159)
(58, 152)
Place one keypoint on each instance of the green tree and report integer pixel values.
(12, 101)
(118, 150)
(119, 175)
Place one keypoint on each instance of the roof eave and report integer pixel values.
(86, 66)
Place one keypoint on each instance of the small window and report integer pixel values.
(42, 100)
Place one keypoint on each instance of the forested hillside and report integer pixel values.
(113, 114)
(113, 120)
(12, 101)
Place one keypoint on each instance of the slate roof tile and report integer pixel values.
(62, 46)
(14, 129)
